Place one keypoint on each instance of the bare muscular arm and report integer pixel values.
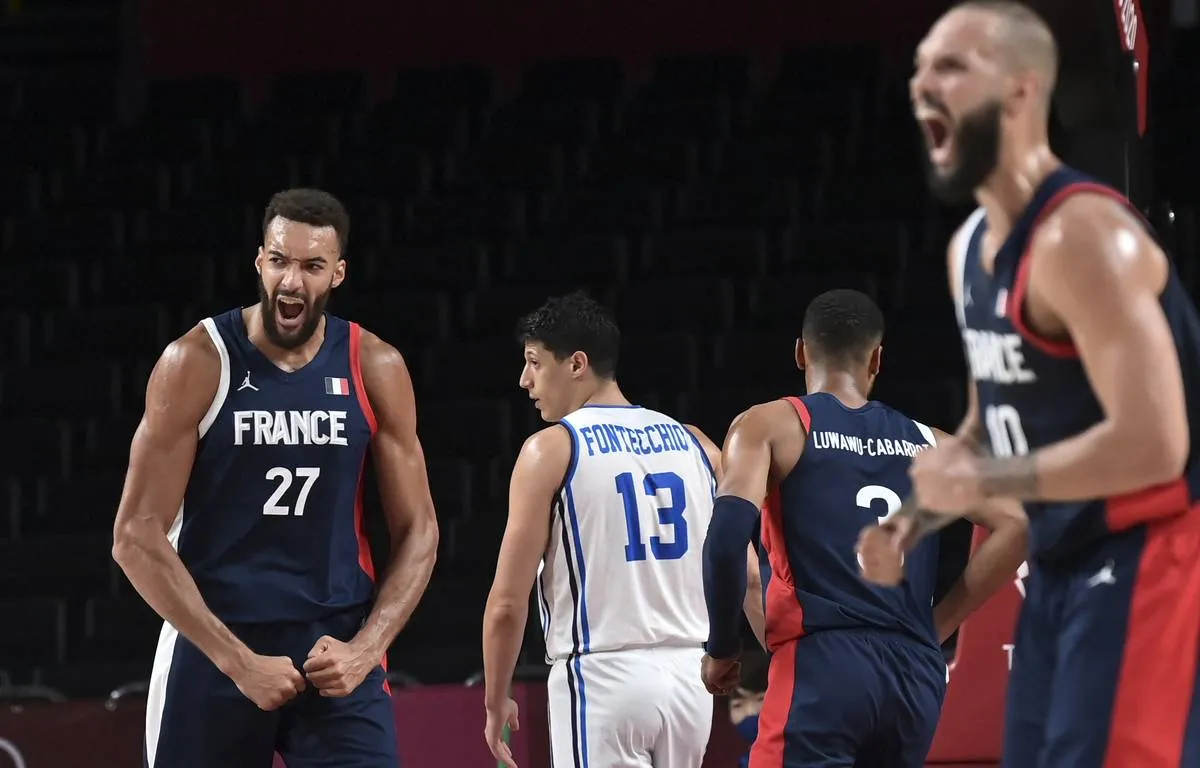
(1096, 277)
(536, 478)
(180, 391)
(404, 492)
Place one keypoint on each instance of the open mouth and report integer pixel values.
(938, 138)
(290, 311)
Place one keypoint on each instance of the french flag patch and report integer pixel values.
(336, 386)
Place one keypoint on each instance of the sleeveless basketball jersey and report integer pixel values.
(623, 568)
(271, 522)
(1034, 391)
(852, 474)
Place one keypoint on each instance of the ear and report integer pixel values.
(258, 260)
(801, 361)
(579, 364)
(339, 272)
(876, 361)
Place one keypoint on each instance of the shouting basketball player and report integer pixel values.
(1084, 353)
(857, 673)
(241, 520)
(607, 512)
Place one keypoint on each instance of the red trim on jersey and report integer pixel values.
(802, 412)
(1016, 299)
(784, 614)
(1157, 681)
(768, 748)
(360, 529)
(1148, 504)
(360, 390)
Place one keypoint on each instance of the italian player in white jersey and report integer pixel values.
(608, 509)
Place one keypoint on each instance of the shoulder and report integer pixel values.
(378, 354)
(1094, 238)
(548, 441)
(765, 418)
(194, 353)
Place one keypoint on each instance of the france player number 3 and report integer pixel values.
(667, 489)
(869, 494)
(285, 477)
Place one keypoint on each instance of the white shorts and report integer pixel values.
(643, 708)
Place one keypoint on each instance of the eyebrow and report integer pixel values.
(310, 260)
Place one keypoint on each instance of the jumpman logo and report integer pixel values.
(1103, 576)
(246, 383)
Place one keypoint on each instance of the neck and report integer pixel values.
(1009, 188)
(288, 359)
(850, 388)
(605, 392)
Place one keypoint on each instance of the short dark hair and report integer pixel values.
(314, 207)
(574, 323)
(842, 326)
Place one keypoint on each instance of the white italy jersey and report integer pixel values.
(623, 568)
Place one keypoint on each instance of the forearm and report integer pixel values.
(503, 631)
(154, 569)
(404, 581)
(729, 534)
(1098, 463)
(753, 607)
(991, 567)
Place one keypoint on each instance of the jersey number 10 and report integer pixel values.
(284, 477)
(671, 514)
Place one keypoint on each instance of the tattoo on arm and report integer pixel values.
(1014, 477)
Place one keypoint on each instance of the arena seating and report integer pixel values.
(706, 203)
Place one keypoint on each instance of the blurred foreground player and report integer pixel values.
(241, 520)
(1084, 351)
(857, 676)
(607, 513)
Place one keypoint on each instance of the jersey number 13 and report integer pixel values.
(655, 485)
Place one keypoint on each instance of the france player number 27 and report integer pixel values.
(285, 478)
(667, 490)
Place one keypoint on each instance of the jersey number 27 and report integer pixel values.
(671, 514)
(285, 477)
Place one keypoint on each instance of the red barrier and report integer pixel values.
(437, 726)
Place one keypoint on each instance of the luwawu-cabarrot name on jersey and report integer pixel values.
(863, 446)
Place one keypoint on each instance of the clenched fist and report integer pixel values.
(268, 681)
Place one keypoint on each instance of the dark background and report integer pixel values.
(704, 167)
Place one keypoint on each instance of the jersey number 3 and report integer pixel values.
(284, 477)
(655, 485)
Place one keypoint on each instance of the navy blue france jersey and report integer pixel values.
(1034, 391)
(852, 474)
(271, 523)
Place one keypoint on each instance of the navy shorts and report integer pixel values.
(197, 718)
(842, 698)
(1105, 665)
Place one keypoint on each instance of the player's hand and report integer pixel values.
(493, 731)
(721, 676)
(268, 681)
(946, 478)
(336, 668)
(881, 551)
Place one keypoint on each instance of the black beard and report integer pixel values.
(267, 306)
(977, 151)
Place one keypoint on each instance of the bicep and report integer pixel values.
(536, 477)
(163, 449)
(396, 448)
(746, 460)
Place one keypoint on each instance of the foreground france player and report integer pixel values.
(857, 674)
(1084, 351)
(241, 519)
(607, 512)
